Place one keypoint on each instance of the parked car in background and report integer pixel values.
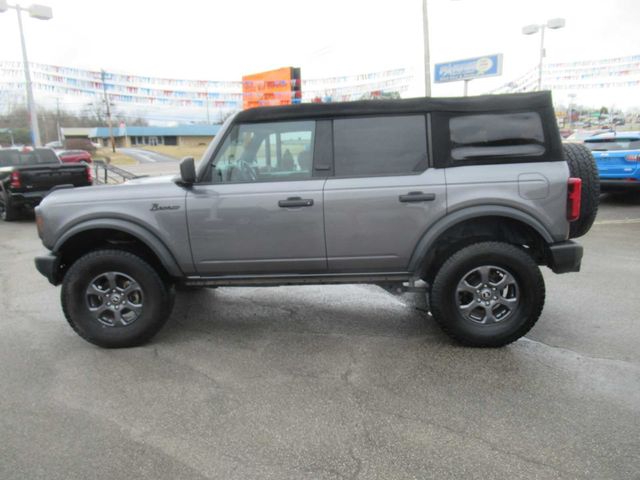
(28, 175)
(74, 156)
(55, 145)
(79, 144)
(579, 136)
(618, 158)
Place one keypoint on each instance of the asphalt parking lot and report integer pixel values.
(337, 382)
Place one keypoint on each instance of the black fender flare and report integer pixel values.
(430, 237)
(142, 234)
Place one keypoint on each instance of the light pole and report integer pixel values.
(554, 24)
(427, 62)
(41, 12)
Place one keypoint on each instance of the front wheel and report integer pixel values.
(487, 294)
(115, 299)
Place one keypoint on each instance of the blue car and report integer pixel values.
(618, 157)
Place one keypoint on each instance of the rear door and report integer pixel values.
(383, 196)
(260, 210)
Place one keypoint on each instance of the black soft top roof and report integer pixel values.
(483, 103)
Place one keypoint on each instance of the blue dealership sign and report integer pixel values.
(487, 66)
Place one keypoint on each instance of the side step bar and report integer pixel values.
(394, 278)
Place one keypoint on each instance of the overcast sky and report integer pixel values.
(225, 39)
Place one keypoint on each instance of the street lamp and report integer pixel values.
(554, 24)
(41, 12)
(425, 39)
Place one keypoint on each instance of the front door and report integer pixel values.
(260, 210)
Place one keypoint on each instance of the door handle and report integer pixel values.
(295, 202)
(417, 197)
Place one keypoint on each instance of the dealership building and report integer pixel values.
(183, 135)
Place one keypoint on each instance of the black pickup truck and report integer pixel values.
(27, 176)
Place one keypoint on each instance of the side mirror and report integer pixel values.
(188, 171)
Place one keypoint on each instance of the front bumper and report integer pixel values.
(565, 256)
(49, 266)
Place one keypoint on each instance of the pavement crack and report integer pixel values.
(358, 462)
(580, 354)
(477, 438)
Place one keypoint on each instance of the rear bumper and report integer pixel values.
(607, 184)
(49, 266)
(565, 257)
(30, 199)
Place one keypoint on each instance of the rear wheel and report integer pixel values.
(114, 298)
(487, 294)
(8, 212)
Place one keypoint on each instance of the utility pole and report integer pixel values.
(106, 102)
(33, 114)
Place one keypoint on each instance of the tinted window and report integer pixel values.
(264, 152)
(35, 157)
(618, 143)
(380, 145)
(496, 135)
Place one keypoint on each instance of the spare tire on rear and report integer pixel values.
(582, 165)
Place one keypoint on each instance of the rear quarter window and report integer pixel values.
(496, 136)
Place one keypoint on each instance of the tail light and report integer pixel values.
(574, 191)
(632, 157)
(15, 180)
(89, 174)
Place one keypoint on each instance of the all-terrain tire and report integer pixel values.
(146, 314)
(448, 302)
(582, 165)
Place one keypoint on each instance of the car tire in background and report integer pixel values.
(487, 294)
(8, 212)
(582, 165)
(115, 299)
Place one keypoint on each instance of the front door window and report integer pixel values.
(265, 152)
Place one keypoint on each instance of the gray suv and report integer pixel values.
(463, 197)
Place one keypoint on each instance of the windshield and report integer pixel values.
(11, 158)
(617, 143)
(213, 145)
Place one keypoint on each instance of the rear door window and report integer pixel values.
(495, 136)
(380, 145)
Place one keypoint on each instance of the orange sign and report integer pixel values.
(275, 87)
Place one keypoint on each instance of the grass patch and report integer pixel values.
(119, 159)
(178, 151)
